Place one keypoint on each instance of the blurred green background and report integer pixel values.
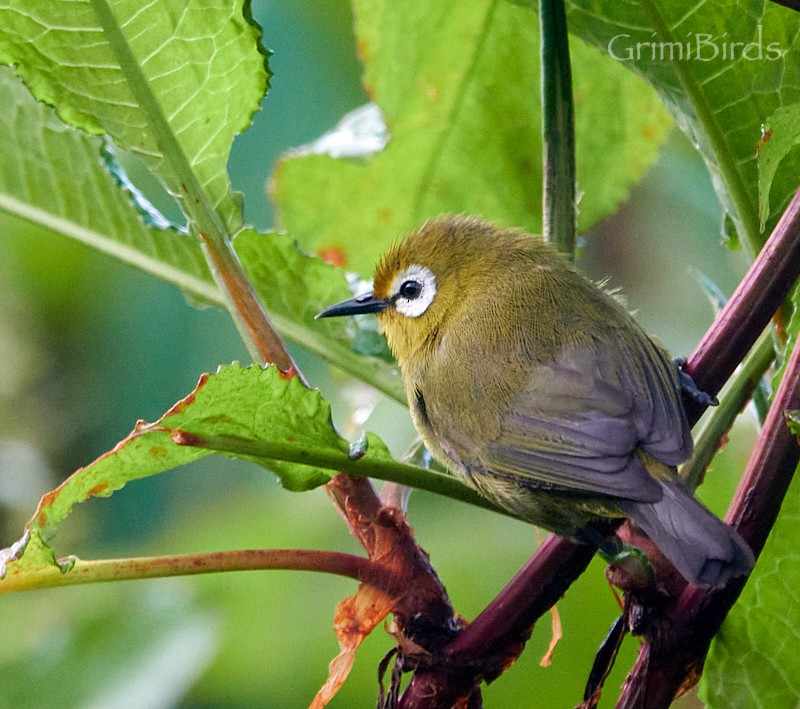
(88, 346)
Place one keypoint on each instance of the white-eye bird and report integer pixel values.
(537, 388)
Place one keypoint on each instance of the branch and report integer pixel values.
(422, 610)
(488, 645)
(749, 309)
(677, 639)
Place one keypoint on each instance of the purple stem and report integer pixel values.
(749, 309)
(497, 636)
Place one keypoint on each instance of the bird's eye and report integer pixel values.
(410, 289)
(413, 290)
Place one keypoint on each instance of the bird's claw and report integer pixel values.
(690, 389)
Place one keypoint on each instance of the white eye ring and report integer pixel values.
(413, 290)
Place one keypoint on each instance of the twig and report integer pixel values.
(103, 570)
(260, 336)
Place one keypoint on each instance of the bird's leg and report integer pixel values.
(689, 388)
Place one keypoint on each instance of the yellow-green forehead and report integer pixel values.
(442, 244)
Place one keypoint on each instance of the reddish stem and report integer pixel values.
(488, 645)
(748, 312)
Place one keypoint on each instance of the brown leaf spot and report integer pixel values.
(98, 489)
(361, 49)
(649, 131)
(334, 255)
(762, 141)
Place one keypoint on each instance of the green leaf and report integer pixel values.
(236, 402)
(718, 92)
(458, 87)
(755, 658)
(781, 133)
(119, 67)
(239, 402)
(52, 175)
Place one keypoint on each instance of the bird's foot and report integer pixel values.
(634, 563)
(690, 389)
(629, 560)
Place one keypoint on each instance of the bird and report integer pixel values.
(536, 387)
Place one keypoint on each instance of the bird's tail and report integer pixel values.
(704, 549)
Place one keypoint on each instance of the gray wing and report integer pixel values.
(578, 423)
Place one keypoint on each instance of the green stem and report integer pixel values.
(366, 466)
(558, 129)
(80, 572)
(263, 342)
(734, 397)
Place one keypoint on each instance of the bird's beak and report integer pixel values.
(366, 303)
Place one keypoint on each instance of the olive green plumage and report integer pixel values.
(539, 389)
